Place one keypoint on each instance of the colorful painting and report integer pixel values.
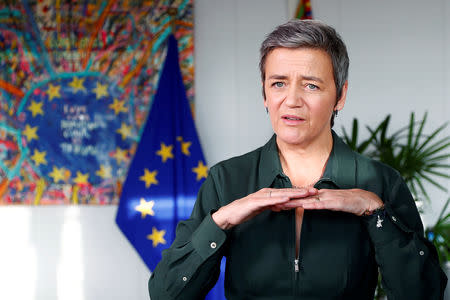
(77, 80)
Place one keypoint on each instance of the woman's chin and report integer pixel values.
(291, 139)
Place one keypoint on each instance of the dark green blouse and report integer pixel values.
(340, 253)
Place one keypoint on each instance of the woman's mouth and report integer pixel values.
(292, 120)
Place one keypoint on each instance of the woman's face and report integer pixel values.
(301, 94)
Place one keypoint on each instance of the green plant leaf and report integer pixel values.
(355, 132)
(438, 158)
(420, 158)
(436, 173)
(437, 147)
(433, 182)
(430, 137)
(422, 189)
(410, 130)
(351, 142)
(445, 166)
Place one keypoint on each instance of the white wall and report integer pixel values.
(230, 115)
(399, 52)
(67, 253)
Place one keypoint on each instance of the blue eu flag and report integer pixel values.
(166, 173)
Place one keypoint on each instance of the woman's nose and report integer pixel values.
(294, 97)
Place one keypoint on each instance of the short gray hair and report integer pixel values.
(308, 34)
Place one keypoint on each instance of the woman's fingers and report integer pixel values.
(298, 202)
(246, 208)
(288, 192)
(355, 201)
(340, 200)
(327, 204)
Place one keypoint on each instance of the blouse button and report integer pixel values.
(213, 245)
(421, 253)
(184, 278)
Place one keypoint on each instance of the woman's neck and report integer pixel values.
(304, 165)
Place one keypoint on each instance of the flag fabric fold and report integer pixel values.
(167, 170)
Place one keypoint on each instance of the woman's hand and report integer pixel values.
(355, 201)
(246, 208)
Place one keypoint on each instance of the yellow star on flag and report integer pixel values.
(53, 91)
(57, 174)
(35, 108)
(201, 170)
(81, 178)
(165, 152)
(30, 132)
(157, 237)
(124, 131)
(39, 157)
(100, 90)
(145, 208)
(77, 84)
(184, 146)
(104, 172)
(120, 155)
(118, 106)
(149, 178)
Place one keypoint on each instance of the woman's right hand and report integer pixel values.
(246, 208)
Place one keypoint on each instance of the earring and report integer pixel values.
(267, 110)
(336, 113)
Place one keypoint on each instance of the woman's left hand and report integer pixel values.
(355, 201)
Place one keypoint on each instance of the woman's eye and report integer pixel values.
(312, 86)
(278, 84)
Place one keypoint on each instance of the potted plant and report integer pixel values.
(420, 158)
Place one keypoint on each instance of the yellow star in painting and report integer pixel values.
(100, 90)
(165, 152)
(35, 108)
(149, 178)
(57, 174)
(39, 157)
(118, 106)
(53, 91)
(120, 155)
(30, 132)
(201, 170)
(77, 84)
(145, 208)
(124, 130)
(184, 146)
(81, 178)
(157, 237)
(104, 172)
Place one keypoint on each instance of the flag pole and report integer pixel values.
(173, 13)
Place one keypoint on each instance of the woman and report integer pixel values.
(302, 217)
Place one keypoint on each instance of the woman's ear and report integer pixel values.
(263, 91)
(264, 97)
(341, 101)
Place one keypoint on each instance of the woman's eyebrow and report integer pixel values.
(275, 76)
(284, 77)
(313, 78)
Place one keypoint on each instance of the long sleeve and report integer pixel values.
(191, 266)
(408, 263)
